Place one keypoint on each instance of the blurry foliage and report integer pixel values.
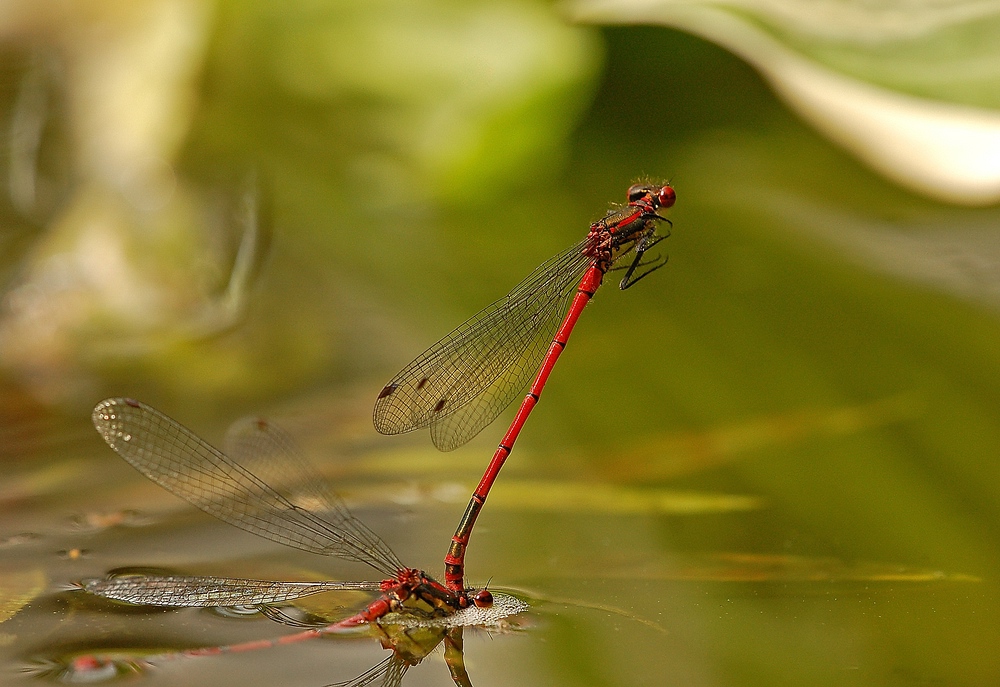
(396, 103)
(368, 111)
(908, 87)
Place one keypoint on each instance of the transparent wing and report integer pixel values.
(174, 590)
(463, 382)
(186, 465)
(272, 455)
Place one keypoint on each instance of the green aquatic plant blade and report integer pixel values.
(909, 88)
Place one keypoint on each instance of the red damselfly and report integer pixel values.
(309, 518)
(462, 383)
(410, 639)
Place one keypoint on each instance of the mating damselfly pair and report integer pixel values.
(456, 388)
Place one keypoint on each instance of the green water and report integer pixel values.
(773, 462)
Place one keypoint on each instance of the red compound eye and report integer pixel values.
(483, 598)
(666, 197)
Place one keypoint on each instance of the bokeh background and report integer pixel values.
(772, 463)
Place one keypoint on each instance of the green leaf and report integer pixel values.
(912, 89)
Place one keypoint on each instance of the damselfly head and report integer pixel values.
(666, 196)
(662, 196)
(483, 598)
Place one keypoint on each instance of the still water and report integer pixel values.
(628, 582)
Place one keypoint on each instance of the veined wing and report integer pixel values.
(463, 382)
(272, 456)
(186, 465)
(181, 591)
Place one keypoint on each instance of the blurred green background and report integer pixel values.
(772, 463)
